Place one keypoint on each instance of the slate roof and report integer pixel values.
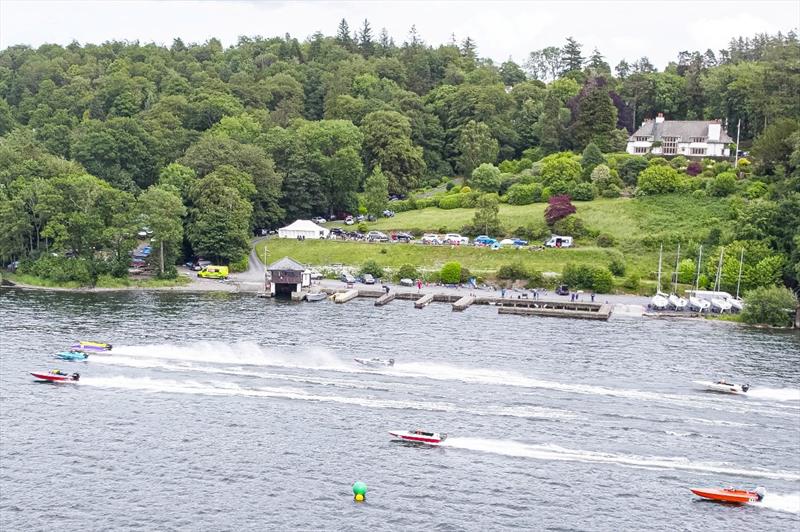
(683, 129)
(286, 264)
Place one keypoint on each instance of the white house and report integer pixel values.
(690, 138)
(303, 229)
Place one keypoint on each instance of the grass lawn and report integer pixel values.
(478, 260)
(104, 281)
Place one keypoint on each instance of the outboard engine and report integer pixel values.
(745, 387)
(76, 376)
(760, 492)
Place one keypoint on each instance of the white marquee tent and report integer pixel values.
(303, 228)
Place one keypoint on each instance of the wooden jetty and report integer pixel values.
(344, 297)
(585, 311)
(424, 301)
(463, 303)
(385, 298)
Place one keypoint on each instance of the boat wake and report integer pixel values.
(775, 394)
(781, 502)
(554, 452)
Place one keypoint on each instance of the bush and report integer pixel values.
(465, 274)
(756, 189)
(659, 179)
(373, 268)
(722, 185)
(583, 192)
(449, 185)
(613, 191)
(535, 279)
(61, 269)
(363, 227)
(604, 240)
(450, 273)
(533, 231)
(520, 194)
(454, 201)
(407, 271)
(486, 177)
(558, 207)
(694, 168)
(679, 162)
(602, 281)
(570, 226)
(632, 282)
(513, 272)
(416, 232)
(466, 189)
(617, 266)
(630, 169)
(240, 265)
(772, 305)
(578, 276)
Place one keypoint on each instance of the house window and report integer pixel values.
(697, 139)
(670, 145)
(640, 149)
(641, 139)
(697, 151)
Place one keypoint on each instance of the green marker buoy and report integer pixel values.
(359, 491)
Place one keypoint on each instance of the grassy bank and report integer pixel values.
(103, 281)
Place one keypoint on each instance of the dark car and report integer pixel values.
(562, 290)
(403, 237)
(347, 278)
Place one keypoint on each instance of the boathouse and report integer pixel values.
(286, 276)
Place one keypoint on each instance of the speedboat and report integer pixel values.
(419, 436)
(317, 296)
(56, 375)
(725, 387)
(375, 362)
(659, 301)
(730, 494)
(72, 355)
(90, 346)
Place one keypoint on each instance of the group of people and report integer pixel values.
(575, 296)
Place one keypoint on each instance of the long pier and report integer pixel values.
(460, 302)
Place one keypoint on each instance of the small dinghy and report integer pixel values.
(730, 494)
(317, 296)
(725, 387)
(72, 356)
(90, 346)
(375, 362)
(419, 436)
(56, 375)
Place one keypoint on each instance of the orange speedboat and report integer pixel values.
(730, 494)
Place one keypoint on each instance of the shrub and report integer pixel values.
(756, 189)
(61, 269)
(632, 282)
(373, 268)
(560, 166)
(578, 276)
(240, 265)
(772, 305)
(657, 161)
(520, 194)
(449, 185)
(466, 189)
(679, 162)
(659, 179)
(570, 226)
(454, 201)
(694, 168)
(722, 185)
(533, 231)
(613, 191)
(417, 232)
(583, 192)
(617, 266)
(558, 207)
(465, 274)
(441, 229)
(486, 177)
(407, 271)
(686, 271)
(363, 227)
(513, 271)
(602, 281)
(630, 169)
(535, 279)
(604, 240)
(450, 273)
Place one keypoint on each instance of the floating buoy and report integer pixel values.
(359, 491)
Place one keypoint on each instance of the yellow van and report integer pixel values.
(214, 272)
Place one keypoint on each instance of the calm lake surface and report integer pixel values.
(229, 412)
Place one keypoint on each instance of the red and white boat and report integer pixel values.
(419, 436)
(730, 494)
(57, 375)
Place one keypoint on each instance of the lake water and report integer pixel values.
(229, 412)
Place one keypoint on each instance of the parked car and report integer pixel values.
(388, 214)
(349, 220)
(562, 290)
(402, 237)
(213, 272)
(347, 278)
(377, 236)
(314, 274)
(12, 267)
(405, 281)
(337, 231)
(319, 220)
(484, 240)
(431, 238)
(513, 242)
(360, 218)
(559, 242)
(368, 279)
(455, 238)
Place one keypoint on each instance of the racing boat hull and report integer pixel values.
(726, 495)
(375, 362)
(418, 436)
(72, 356)
(50, 377)
(736, 389)
(91, 346)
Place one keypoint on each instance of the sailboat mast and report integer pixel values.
(677, 263)
(697, 275)
(717, 282)
(660, 251)
(739, 280)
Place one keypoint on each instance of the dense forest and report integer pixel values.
(203, 144)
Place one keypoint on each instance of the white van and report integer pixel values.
(559, 242)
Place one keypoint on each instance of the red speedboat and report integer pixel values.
(57, 375)
(419, 436)
(730, 494)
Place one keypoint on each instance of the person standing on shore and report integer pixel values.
(419, 285)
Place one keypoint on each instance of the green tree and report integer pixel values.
(476, 146)
(769, 305)
(486, 177)
(376, 191)
(163, 211)
(387, 141)
(571, 56)
(592, 156)
(451, 273)
(220, 228)
(659, 179)
(596, 118)
(487, 215)
(179, 176)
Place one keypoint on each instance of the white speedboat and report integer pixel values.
(375, 362)
(419, 436)
(659, 301)
(725, 387)
(677, 302)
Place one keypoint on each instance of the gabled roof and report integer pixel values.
(286, 264)
(303, 225)
(683, 129)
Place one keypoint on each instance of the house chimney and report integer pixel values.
(660, 118)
